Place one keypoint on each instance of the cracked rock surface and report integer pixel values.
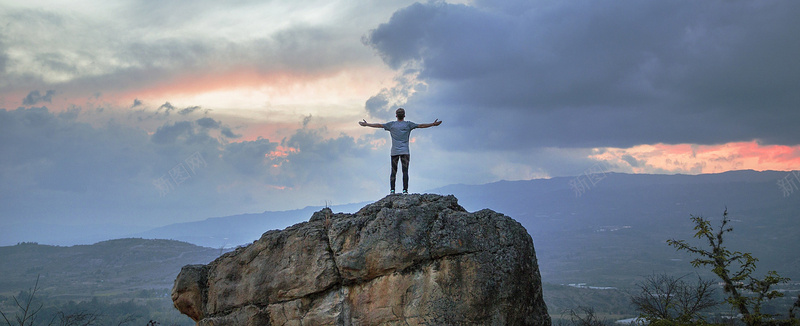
(403, 260)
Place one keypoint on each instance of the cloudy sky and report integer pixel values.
(146, 113)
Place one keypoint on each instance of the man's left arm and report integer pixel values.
(428, 125)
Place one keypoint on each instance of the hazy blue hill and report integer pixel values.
(232, 231)
(108, 267)
(228, 231)
(58, 234)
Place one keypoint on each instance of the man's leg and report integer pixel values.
(393, 176)
(404, 159)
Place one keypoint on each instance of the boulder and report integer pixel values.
(403, 260)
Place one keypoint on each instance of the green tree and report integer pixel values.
(745, 292)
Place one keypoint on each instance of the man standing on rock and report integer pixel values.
(400, 131)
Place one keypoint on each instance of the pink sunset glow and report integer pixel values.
(695, 159)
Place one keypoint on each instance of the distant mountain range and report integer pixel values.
(599, 227)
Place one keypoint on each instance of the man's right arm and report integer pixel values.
(428, 125)
(364, 123)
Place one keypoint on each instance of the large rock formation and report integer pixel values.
(404, 260)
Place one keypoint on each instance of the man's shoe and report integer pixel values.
(405, 192)
(391, 192)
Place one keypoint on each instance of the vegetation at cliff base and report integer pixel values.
(745, 292)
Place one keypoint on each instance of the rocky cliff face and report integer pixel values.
(404, 260)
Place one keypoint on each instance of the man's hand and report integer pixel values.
(363, 123)
(437, 122)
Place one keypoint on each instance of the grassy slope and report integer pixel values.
(105, 268)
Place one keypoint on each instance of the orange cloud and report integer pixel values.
(281, 152)
(694, 159)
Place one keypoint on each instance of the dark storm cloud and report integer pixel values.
(385, 102)
(55, 167)
(60, 168)
(54, 152)
(521, 74)
(167, 108)
(249, 157)
(312, 142)
(227, 132)
(208, 123)
(188, 110)
(631, 160)
(34, 97)
(323, 161)
(377, 104)
(168, 134)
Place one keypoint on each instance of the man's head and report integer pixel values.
(400, 114)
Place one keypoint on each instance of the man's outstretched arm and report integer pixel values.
(432, 124)
(364, 123)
